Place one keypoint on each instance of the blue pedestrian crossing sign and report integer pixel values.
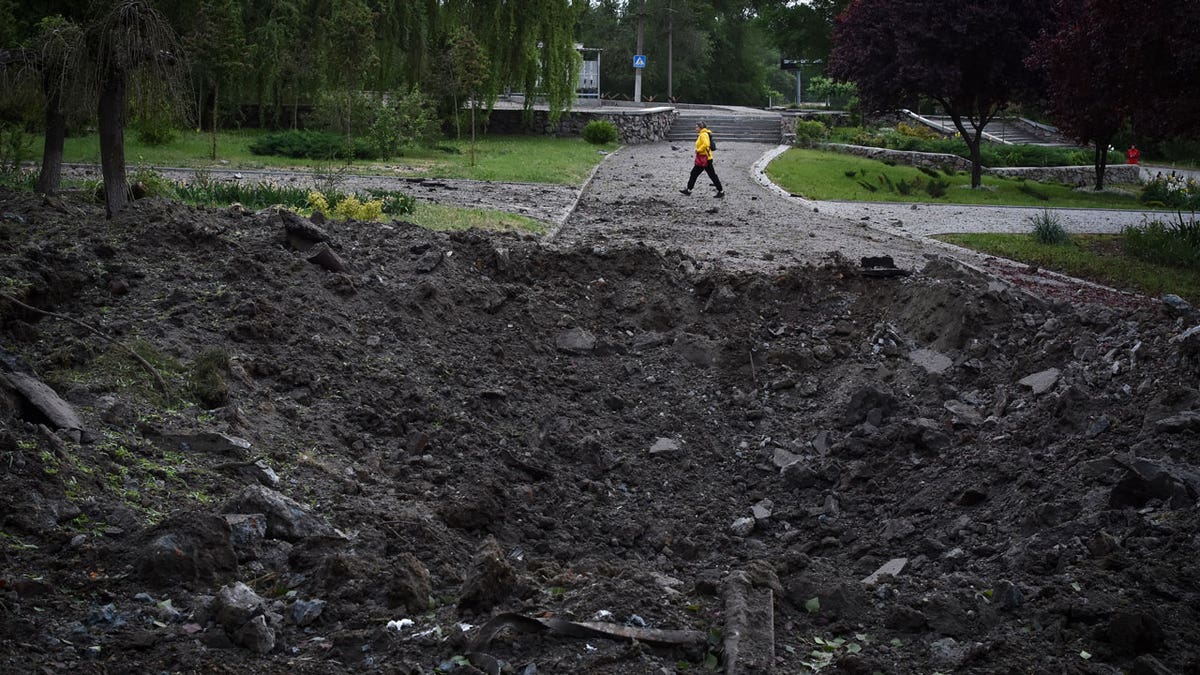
(639, 61)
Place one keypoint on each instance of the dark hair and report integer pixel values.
(701, 124)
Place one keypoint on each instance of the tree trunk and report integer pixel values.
(1101, 163)
(111, 112)
(472, 132)
(216, 96)
(976, 161)
(52, 151)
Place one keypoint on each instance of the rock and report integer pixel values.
(259, 472)
(324, 257)
(189, 548)
(947, 653)
(208, 442)
(286, 519)
(1148, 665)
(235, 605)
(781, 458)
(1007, 596)
(429, 261)
(872, 403)
(302, 234)
(1178, 424)
(1176, 305)
(934, 363)
(721, 301)
(890, 568)
(1042, 382)
(246, 533)
(491, 581)
(575, 341)
(305, 612)
(762, 510)
(1188, 344)
(742, 527)
(1145, 480)
(47, 402)
(665, 446)
(257, 636)
(963, 413)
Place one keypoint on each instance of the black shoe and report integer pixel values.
(685, 191)
(720, 194)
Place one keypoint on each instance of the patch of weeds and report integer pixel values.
(867, 186)
(850, 173)
(937, 188)
(1175, 244)
(207, 380)
(826, 651)
(1048, 229)
(932, 173)
(12, 541)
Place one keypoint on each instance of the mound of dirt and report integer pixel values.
(383, 449)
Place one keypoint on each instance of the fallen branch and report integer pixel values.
(144, 363)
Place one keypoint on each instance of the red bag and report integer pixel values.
(701, 159)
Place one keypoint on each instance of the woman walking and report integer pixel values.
(703, 161)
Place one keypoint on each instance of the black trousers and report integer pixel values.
(712, 175)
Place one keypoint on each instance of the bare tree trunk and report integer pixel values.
(216, 94)
(52, 151)
(111, 112)
(1101, 163)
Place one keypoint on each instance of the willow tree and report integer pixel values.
(134, 55)
(219, 46)
(60, 44)
(349, 53)
(467, 67)
(530, 45)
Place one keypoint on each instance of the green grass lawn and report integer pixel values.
(524, 159)
(816, 174)
(439, 217)
(1096, 257)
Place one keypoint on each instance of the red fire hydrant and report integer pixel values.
(1132, 156)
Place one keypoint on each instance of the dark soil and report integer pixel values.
(448, 428)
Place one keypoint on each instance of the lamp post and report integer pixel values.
(637, 72)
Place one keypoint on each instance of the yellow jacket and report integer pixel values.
(703, 144)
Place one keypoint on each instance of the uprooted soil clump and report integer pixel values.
(382, 449)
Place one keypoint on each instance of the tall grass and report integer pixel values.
(1164, 242)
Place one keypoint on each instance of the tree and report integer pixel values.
(60, 43)
(349, 53)
(129, 41)
(219, 45)
(969, 57)
(803, 31)
(467, 67)
(1087, 70)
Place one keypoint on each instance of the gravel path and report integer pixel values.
(634, 196)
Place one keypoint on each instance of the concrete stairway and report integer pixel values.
(727, 127)
(1008, 130)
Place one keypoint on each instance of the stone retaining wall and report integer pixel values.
(1067, 175)
(645, 125)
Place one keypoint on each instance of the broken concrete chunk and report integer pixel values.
(963, 412)
(575, 341)
(212, 442)
(322, 256)
(890, 568)
(934, 363)
(286, 518)
(762, 510)
(742, 527)
(1042, 382)
(665, 446)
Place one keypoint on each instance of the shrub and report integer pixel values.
(937, 188)
(408, 119)
(155, 131)
(932, 173)
(917, 131)
(207, 382)
(810, 132)
(600, 132)
(151, 183)
(1156, 241)
(15, 147)
(304, 144)
(1174, 192)
(1047, 229)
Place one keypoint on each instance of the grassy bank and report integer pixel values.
(1101, 258)
(523, 159)
(821, 175)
